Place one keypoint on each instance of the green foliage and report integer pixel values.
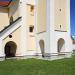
(38, 67)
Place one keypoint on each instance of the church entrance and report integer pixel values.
(10, 49)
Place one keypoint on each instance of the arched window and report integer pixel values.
(10, 49)
(31, 28)
(42, 46)
(61, 45)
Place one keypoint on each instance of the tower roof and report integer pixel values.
(4, 3)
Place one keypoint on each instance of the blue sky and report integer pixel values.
(73, 17)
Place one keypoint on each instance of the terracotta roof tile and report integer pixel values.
(5, 2)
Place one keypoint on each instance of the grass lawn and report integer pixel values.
(38, 67)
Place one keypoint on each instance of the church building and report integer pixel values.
(30, 28)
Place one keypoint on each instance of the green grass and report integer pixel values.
(38, 67)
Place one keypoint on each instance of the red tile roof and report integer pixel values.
(5, 2)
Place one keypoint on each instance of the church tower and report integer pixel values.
(53, 27)
(35, 27)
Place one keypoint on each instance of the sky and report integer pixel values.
(72, 17)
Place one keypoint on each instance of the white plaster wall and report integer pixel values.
(67, 39)
(5, 34)
(51, 32)
(55, 35)
(30, 2)
(23, 13)
(2, 54)
(73, 46)
(50, 37)
(68, 17)
(45, 36)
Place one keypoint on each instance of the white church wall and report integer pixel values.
(4, 19)
(67, 39)
(2, 54)
(46, 41)
(44, 37)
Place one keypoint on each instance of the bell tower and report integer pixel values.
(53, 27)
(60, 15)
(61, 24)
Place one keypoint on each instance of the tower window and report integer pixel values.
(60, 26)
(31, 28)
(59, 9)
(31, 8)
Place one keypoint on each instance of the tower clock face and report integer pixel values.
(60, 15)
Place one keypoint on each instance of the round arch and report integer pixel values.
(61, 45)
(42, 47)
(10, 49)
